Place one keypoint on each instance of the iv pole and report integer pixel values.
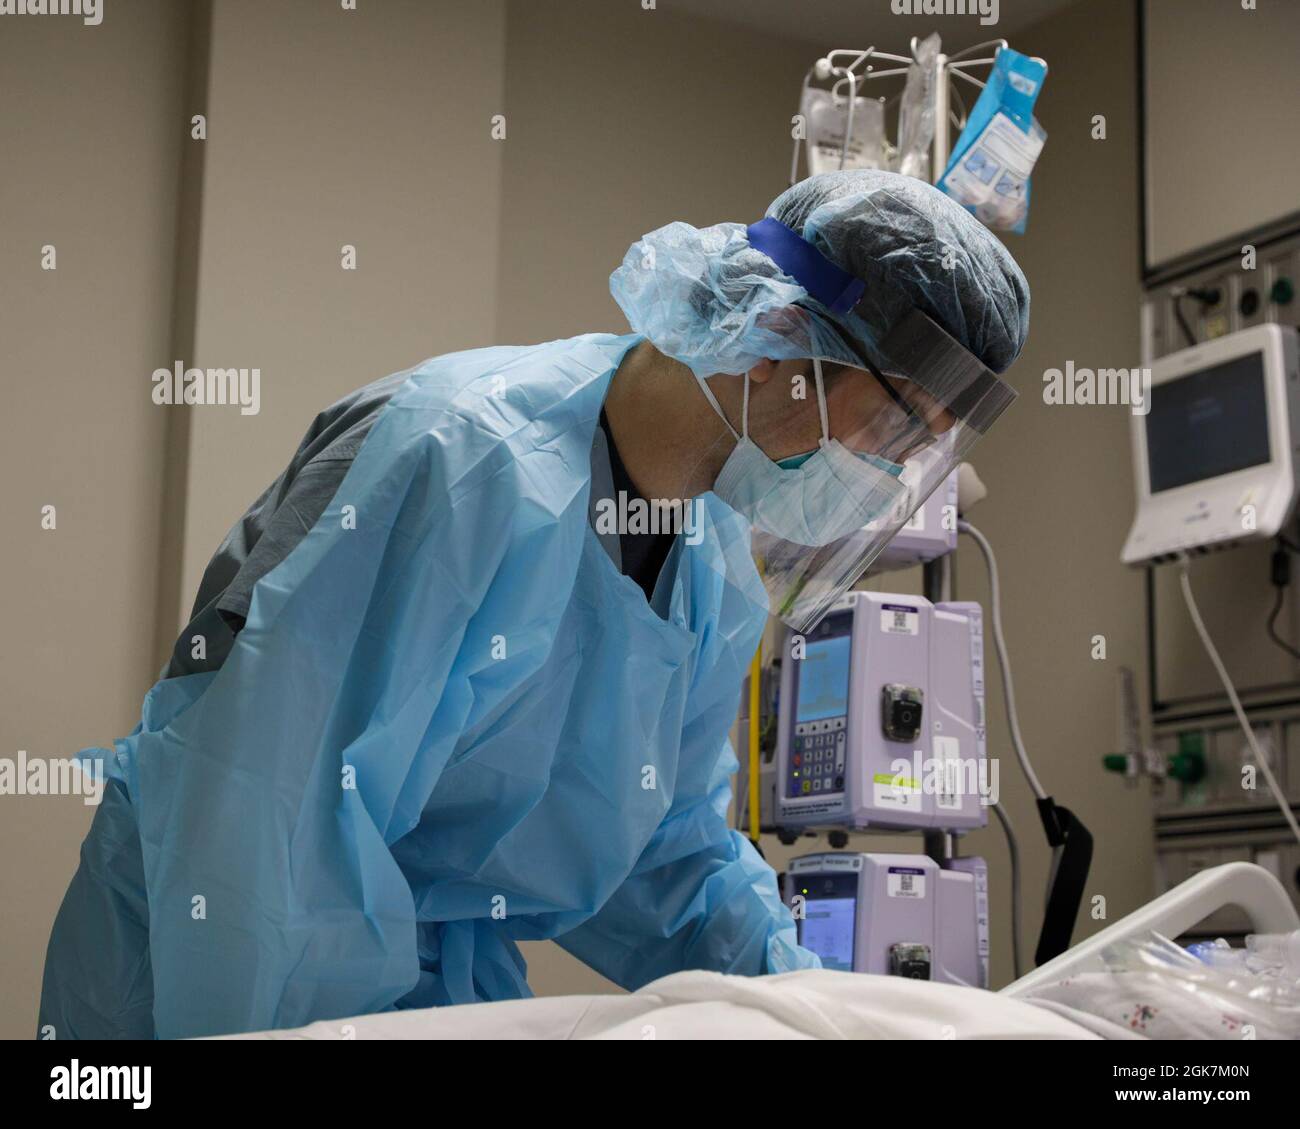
(854, 68)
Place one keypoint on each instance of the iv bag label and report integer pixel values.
(993, 177)
(898, 619)
(947, 751)
(827, 116)
(905, 882)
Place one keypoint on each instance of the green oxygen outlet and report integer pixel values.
(1115, 762)
(1283, 292)
(1188, 764)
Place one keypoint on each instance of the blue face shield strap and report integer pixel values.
(832, 286)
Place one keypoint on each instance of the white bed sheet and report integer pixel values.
(815, 1004)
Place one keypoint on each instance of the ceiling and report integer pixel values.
(864, 23)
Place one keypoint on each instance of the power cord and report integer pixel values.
(1207, 296)
(1070, 840)
(1281, 576)
(1013, 848)
(1004, 663)
(1185, 580)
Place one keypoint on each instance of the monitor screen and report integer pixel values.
(1208, 423)
(828, 930)
(824, 679)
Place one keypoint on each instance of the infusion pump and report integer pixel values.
(1215, 455)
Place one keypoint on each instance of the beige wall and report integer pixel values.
(1060, 479)
(330, 127)
(623, 120)
(91, 140)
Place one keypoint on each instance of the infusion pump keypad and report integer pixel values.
(817, 759)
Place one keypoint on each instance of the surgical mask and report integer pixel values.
(813, 499)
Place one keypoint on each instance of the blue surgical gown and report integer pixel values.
(448, 725)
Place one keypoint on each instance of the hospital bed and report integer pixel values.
(1249, 887)
(823, 1004)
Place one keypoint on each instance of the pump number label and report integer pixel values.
(896, 793)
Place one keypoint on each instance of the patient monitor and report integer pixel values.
(893, 914)
(1215, 456)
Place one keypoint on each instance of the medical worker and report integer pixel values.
(447, 687)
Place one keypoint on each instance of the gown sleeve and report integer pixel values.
(700, 896)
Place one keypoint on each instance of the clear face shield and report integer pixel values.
(888, 437)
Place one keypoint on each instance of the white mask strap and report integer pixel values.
(821, 401)
(713, 400)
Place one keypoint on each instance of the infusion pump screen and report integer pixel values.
(829, 908)
(1207, 423)
(824, 679)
